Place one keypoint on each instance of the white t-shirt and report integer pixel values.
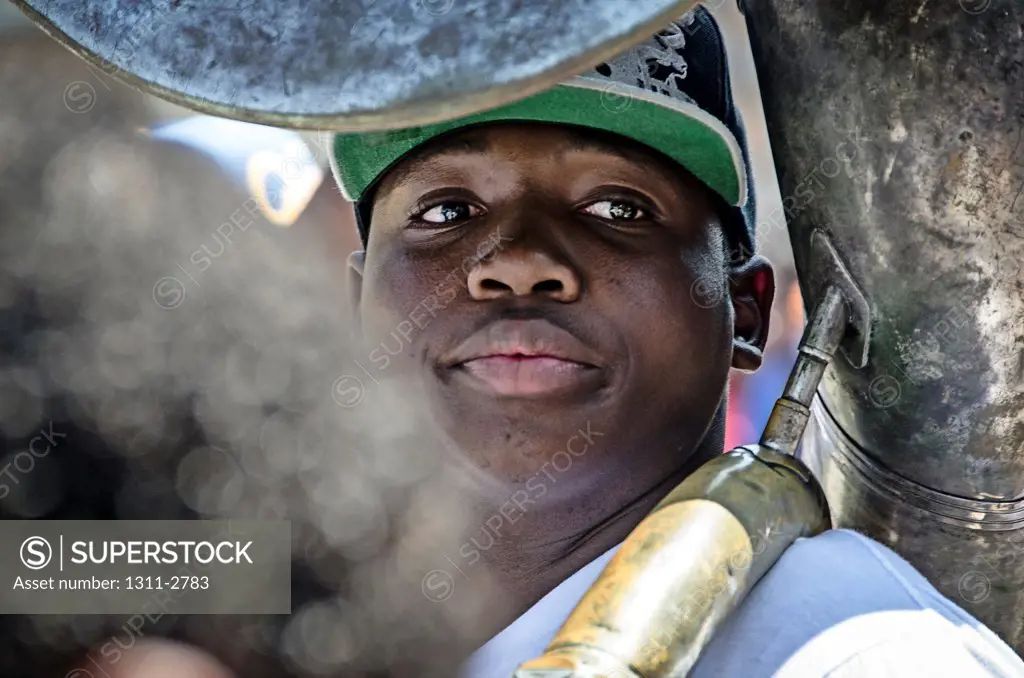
(838, 605)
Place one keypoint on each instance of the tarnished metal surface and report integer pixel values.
(684, 568)
(789, 417)
(350, 65)
(645, 616)
(693, 560)
(971, 550)
(898, 128)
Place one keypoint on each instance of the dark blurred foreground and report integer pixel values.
(179, 375)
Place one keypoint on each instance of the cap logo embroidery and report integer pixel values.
(657, 65)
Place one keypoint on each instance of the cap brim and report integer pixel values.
(681, 130)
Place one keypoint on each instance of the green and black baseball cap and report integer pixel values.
(671, 93)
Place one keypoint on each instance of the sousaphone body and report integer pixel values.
(898, 129)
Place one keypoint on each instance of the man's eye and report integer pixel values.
(615, 210)
(448, 212)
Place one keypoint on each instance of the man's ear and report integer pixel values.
(356, 271)
(752, 285)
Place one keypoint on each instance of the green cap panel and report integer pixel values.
(681, 131)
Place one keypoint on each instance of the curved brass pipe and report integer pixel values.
(686, 567)
(695, 557)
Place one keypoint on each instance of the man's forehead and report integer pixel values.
(482, 141)
(465, 142)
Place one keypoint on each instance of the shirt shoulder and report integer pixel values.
(840, 605)
(528, 636)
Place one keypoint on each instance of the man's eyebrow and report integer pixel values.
(462, 145)
(590, 141)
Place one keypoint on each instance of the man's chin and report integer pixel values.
(545, 446)
(545, 403)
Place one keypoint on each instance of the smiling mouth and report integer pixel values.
(526, 376)
(525, 359)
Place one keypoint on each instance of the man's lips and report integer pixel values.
(526, 376)
(526, 358)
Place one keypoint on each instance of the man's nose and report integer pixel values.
(523, 272)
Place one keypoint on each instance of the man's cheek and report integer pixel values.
(404, 329)
(685, 342)
(388, 335)
(394, 328)
(402, 306)
(445, 291)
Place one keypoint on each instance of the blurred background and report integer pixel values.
(751, 396)
(171, 302)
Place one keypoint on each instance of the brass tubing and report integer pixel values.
(693, 560)
(820, 341)
(685, 568)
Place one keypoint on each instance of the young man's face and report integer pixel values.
(559, 293)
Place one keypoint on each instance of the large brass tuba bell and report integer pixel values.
(352, 65)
